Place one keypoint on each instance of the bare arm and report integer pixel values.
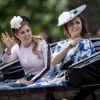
(57, 57)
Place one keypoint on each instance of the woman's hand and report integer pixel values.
(72, 43)
(56, 80)
(9, 42)
(23, 81)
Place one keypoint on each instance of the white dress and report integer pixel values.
(30, 62)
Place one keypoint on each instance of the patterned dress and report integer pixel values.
(84, 48)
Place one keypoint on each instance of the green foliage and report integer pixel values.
(41, 12)
(44, 13)
(92, 13)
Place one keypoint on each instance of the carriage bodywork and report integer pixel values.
(55, 92)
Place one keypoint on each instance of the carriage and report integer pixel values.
(55, 91)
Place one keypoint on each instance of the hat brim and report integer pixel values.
(76, 12)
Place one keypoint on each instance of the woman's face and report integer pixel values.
(75, 27)
(24, 35)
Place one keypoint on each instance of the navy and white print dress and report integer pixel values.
(84, 48)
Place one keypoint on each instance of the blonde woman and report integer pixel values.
(30, 50)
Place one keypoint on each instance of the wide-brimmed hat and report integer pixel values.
(67, 16)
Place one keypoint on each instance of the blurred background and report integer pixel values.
(44, 15)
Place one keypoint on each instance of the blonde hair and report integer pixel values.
(36, 40)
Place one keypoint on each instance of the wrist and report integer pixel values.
(68, 47)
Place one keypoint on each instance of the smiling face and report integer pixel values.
(24, 35)
(74, 27)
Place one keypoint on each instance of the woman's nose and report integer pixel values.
(26, 33)
(74, 24)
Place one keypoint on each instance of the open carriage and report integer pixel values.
(53, 92)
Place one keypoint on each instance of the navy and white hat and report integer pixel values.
(67, 16)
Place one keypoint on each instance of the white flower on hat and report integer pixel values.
(67, 16)
(16, 22)
(64, 17)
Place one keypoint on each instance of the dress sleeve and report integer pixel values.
(13, 56)
(58, 47)
(46, 68)
(86, 48)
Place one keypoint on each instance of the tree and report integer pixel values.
(41, 12)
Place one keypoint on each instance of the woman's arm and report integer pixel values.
(58, 56)
(10, 51)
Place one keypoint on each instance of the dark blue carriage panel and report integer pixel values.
(97, 46)
(96, 43)
(53, 45)
(12, 70)
(92, 59)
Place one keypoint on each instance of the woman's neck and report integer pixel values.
(72, 38)
(26, 44)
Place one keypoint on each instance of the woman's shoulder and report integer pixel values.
(85, 41)
(16, 46)
(60, 43)
(42, 44)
